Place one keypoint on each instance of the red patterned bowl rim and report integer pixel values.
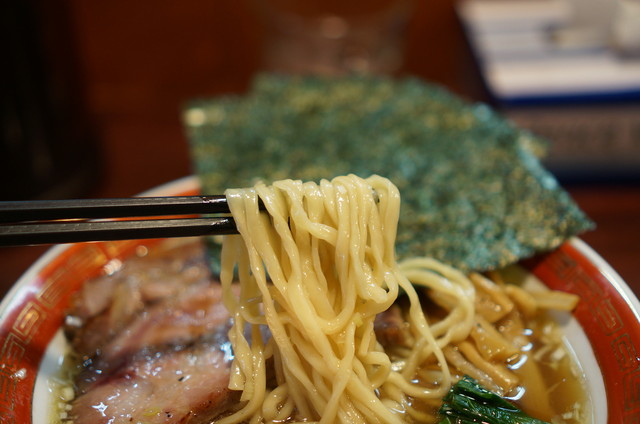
(32, 312)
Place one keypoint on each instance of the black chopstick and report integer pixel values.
(71, 221)
(38, 210)
(73, 231)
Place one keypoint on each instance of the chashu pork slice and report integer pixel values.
(151, 343)
(172, 386)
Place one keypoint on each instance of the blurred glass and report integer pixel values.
(334, 37)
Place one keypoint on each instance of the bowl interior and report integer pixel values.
(604, 330)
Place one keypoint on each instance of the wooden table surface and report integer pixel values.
(140, 61)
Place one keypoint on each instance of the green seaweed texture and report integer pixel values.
(474, 193)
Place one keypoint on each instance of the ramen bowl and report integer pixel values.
(603, 331)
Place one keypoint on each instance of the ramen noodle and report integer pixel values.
(317, 269)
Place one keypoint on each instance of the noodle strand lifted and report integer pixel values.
(314, 271)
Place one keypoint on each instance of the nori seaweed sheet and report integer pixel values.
(474, 193)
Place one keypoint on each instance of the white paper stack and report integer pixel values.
(545, 51)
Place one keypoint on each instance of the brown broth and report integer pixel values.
(562, 376)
